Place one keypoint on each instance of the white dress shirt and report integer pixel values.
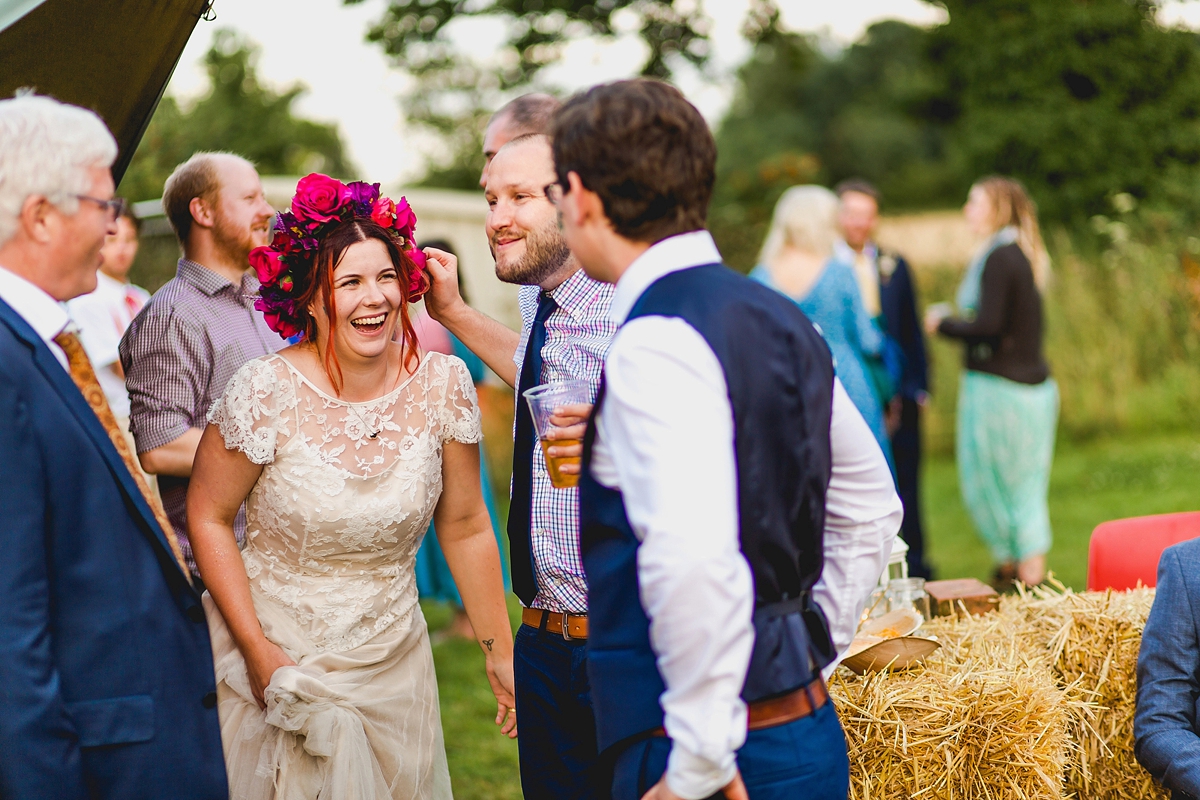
(103, 317)
(44, 314)
(665, 440)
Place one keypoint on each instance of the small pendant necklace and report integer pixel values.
(371, 434)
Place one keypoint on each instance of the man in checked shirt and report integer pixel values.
(196, 331)
(566, 312)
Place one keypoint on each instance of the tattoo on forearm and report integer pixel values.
(488, 643)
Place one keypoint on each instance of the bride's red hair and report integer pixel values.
(320, 288)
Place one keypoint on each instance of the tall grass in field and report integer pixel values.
(1122, 330)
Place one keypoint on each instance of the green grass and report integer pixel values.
(1090, 483)
(483, 762)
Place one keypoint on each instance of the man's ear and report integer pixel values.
(588, 207)
(36, 218)
(202, 212)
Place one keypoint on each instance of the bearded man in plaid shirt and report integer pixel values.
(565, 335)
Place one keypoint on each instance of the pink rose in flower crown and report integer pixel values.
(384, 212)
(320, 198)
(418, 282)
(406, 219)
(267, 264)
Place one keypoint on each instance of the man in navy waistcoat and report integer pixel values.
(735, 510)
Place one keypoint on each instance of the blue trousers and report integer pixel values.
(801, 759)
(557, 745)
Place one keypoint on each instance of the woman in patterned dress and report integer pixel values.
(343, 448)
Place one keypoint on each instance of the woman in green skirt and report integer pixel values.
(1007, 402)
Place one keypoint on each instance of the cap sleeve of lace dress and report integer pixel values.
(250, 414)
(460, 417)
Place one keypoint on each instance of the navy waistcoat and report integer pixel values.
(779, 375)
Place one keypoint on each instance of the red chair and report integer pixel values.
(1125, 551)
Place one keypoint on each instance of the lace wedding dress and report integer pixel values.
(333, 526)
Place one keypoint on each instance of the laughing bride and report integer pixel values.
(343, 447)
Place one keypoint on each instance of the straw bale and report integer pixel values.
(1039, 692)
(991, 724)
(1092, 641)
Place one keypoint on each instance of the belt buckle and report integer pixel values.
(566, 627)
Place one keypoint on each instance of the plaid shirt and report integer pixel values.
(178, 354)
(578, 333)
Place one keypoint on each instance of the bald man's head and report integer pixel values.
(529, 113)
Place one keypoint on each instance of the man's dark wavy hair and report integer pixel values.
(645, 150)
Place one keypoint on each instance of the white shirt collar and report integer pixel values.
(44, 314)
(673, 254)
(847, 254)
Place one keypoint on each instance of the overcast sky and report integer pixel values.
(320, 44)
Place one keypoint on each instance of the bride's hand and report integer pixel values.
(261, 664)
(500, 675)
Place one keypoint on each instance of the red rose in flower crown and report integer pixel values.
(286, 267)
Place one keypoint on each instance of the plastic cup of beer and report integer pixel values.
(542, 402)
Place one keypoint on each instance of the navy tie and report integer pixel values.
(520, 509)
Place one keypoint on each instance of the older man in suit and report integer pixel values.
(105, 666)
(1166, 727)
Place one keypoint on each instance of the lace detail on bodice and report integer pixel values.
(334, 522)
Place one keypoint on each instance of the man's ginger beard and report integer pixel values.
(545, 253)
(234, 242)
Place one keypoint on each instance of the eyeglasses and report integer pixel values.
(114, 207)
(553, 192)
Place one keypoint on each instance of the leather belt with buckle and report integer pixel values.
(782, 710)
(568, 626)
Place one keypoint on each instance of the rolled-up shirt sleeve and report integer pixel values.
(862, 516)
(667, 423)
(167, 366)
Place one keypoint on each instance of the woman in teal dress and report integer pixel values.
(797, 260)
(1007, 401)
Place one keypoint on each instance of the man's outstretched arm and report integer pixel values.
(484, 336)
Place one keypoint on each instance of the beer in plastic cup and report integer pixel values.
(542, 402)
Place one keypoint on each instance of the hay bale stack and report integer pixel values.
(1035, 700)
(991, 724)
(1092, 641)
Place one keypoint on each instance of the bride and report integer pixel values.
(343, 447)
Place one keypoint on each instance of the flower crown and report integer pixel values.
(322, 203)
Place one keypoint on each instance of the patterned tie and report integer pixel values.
(85, 378)
(520, 510)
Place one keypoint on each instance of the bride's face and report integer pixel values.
(367, 298)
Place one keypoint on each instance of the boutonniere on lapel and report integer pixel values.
(887, 265)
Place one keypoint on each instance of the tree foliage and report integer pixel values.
(239, 115)
(1081, 100)
(454, 93)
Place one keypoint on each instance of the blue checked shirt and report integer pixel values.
(578, 333)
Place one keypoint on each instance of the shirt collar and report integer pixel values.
(672, 254)
(846, 254)
(210, 282)
(44, 314)
(574, 295)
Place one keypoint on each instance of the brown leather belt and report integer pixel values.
(782, 710)
(576, 626)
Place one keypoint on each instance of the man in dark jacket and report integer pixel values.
(889, 293)
(106, 673)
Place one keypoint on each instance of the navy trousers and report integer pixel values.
(557, 745)
(906, 452)
(801, 759)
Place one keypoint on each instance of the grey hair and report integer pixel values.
(805, 218)
(47, 148)
(529, 113)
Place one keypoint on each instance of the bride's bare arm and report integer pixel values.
(221, 481)
(464, 531)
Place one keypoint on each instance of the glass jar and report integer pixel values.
(908, 593)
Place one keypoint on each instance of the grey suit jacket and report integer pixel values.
(1165, 727)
